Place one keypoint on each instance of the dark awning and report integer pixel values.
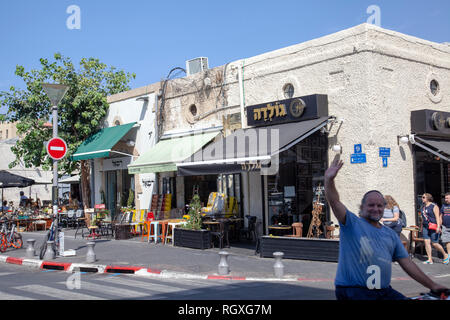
(10, 180)
(438, 147)
(249, 149)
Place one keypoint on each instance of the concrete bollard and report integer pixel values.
(278, 267)
(31, 252)
(49, 253)
(90, 255)
(224, 268)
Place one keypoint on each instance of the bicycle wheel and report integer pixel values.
(17, 241)
(43, 247)
(3, 245)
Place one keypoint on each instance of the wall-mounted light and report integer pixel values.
(145, 99)
(405, 139)
(336, 148)
(130, 143)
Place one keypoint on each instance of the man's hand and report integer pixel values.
(334, 168)
(331, 193)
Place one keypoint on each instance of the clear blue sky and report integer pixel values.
(151, 37)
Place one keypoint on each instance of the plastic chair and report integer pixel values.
(169, 226)
(297, 230)
(230, 207)
(156, 233)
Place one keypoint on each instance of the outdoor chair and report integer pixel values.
(258, 233)
(249, 231)
(297, 230)
(80, 221)
(221, 234)
(231, 206)
(418, 241)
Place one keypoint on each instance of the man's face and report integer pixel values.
(373, 208)
(447, 199)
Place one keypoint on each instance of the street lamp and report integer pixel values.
(55, 92)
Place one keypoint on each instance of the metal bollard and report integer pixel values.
(31, 252)
(49, 253)
(90, 255)
(278, 267)
(224, 269)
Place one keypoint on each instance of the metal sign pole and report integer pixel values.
(55, 172)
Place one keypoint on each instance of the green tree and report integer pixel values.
(195, 217)
(80, 113)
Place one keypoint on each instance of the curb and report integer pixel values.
(149, 272)
(138, 271)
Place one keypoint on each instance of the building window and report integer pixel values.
(1, 135)
(193, 110)
(288, 90)
(434, 87)
(6, 134)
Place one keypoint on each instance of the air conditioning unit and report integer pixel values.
(196, 65)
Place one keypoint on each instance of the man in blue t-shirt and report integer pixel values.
(367, 248)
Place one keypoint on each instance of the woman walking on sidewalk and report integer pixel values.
(445, 214)
(367, 248)
(431, 227)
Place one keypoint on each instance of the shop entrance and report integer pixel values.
(298, 182)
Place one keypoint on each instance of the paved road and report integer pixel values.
(22, 283)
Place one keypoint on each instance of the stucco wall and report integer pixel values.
(125, 108)
(373, 77)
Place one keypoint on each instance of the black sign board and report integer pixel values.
(289, 110)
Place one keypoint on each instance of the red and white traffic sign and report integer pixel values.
(56, 148)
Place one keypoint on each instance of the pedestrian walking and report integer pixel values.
(367, 248)
(431, 227)
(391, 215)
(445, 214)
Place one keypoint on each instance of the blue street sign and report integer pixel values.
(358, 158)
(385, 152)
(385, 162)
(358, 148)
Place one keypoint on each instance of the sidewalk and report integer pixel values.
(150, 259)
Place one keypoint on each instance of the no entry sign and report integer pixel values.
(56, 148)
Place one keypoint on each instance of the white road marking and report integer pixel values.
(57, 293)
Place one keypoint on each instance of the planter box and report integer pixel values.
(196, 239)
(122, 231)
(301, 248)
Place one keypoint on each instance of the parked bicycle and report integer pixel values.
(10, 237)
(51, 236)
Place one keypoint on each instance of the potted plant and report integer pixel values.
(192, 235)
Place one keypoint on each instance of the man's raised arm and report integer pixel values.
(331, 194)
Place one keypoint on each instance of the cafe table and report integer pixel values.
(280, 230)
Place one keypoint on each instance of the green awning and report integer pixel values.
(100, 144)
(166, 153)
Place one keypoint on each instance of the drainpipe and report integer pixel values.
(241, 94)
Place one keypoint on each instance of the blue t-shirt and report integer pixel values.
(366, 253)
(445, 211)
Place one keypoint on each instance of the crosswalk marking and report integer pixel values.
(8, 296)
(57, 293)
(115, 291)
(155, 287)
(6, 273)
